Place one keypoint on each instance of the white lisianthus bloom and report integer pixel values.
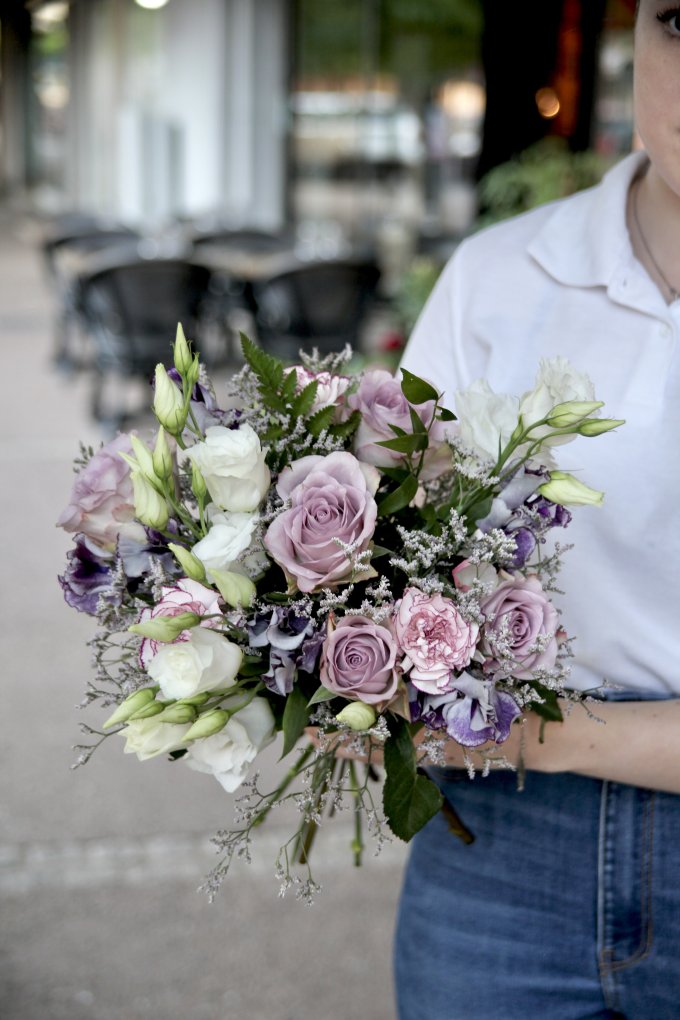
(233, 466)
(486, 420)
(148, 738)
(206, 661)
(230, 535)
(227, 755)
(557, 382)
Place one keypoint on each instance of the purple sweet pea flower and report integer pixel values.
(87, 576)
(476, 712)
(293, 642)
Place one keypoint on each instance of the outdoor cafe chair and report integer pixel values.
(318, 304)
(131, 311)
(71, 241)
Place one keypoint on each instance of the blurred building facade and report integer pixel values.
(363, 115)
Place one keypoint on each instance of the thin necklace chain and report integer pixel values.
(673, 291)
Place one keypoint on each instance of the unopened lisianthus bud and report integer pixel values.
(162, 457)
(181, 352)
(598, 426)
(190, 564)
(132, 704)
(198, 486)
(357, 715)
(197, 699)
(566, 490)
(150, 507)
(148, 711)
(144, 458)
(208, 724)
(235, 589)
(571, 412)
(165, 628)
(168, 403)
(177, 713)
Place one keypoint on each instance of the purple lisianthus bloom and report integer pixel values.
(204, 405)
(87, 576)
(293, 641)
(474, 713)
(136, 552)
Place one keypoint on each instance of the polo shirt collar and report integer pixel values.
(585, 243)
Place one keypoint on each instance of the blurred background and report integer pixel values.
(299, 170)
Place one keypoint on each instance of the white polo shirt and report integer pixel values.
(563, 280)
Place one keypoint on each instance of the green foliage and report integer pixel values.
(414, 289)
(295, 718)
(543, 173)
(400, 498)
(416, 390)
(410, 799)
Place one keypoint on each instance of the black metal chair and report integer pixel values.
(321, 304)
(131, 311)
(251, 239)
(72, 240)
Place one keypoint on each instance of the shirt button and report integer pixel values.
(665, 330)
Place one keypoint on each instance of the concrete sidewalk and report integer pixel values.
(99, 867)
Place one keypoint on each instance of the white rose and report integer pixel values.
(148, 738)
(228, 754)
(557, 382)
(206, 661)
(233, 465)
(230, 535)
(486, 419)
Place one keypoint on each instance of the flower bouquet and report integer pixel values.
(331, 551)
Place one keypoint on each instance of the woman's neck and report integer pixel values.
(654, 225)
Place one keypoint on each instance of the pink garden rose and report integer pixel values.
(185, 596)
(358, 660)
(519, 613)
(434, 638)
(101, 498)
(330, 388)
(331, 498)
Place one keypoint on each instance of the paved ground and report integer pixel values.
(100, 919)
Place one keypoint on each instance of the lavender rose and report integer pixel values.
(331, 498)
(434, 638)
(101, 499)
(186, 596)
(382, 403)
(521, 622)
(358, 660)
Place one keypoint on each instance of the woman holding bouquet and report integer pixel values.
(567, 904)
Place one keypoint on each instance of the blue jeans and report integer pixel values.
(566, 906)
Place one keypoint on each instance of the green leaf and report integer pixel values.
(443, 414)
(417, 422)
(345, 429)
(289, 386)
(397, 429)
(379, 550)
(409, 799)
(269, 370)
(480, 509)
(549, 709)
(321, 420)
(400, 498)
(295, 718)
(304, 401)
(321, 694)
(416, 390)
(406, 444)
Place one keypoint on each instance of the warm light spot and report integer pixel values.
(151, 5)
(547, 102)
